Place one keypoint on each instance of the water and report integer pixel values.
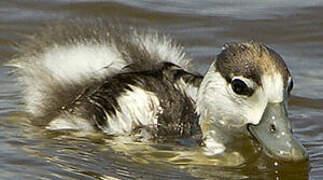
(292, 28)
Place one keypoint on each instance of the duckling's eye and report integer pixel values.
(241, 88)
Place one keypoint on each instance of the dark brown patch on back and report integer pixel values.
(178, 118)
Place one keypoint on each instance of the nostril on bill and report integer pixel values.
(272, 128)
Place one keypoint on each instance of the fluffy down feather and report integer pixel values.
(57, 65)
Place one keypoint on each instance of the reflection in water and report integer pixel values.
(294, 29)
(77, 156)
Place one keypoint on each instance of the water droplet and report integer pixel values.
(281, 152)
(283, 133)
(276, 164)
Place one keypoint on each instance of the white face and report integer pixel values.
(232, 105)
(240, 102)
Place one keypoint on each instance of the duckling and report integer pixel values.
(101, 77)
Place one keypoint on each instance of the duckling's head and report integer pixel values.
(245, 92)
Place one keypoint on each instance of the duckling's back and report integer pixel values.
(98, 76)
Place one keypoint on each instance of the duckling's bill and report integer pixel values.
(275, 134)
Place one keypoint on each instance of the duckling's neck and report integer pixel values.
(211, 111)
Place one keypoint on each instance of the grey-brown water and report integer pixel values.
(292, 28)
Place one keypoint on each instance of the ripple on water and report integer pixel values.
(293, 28)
